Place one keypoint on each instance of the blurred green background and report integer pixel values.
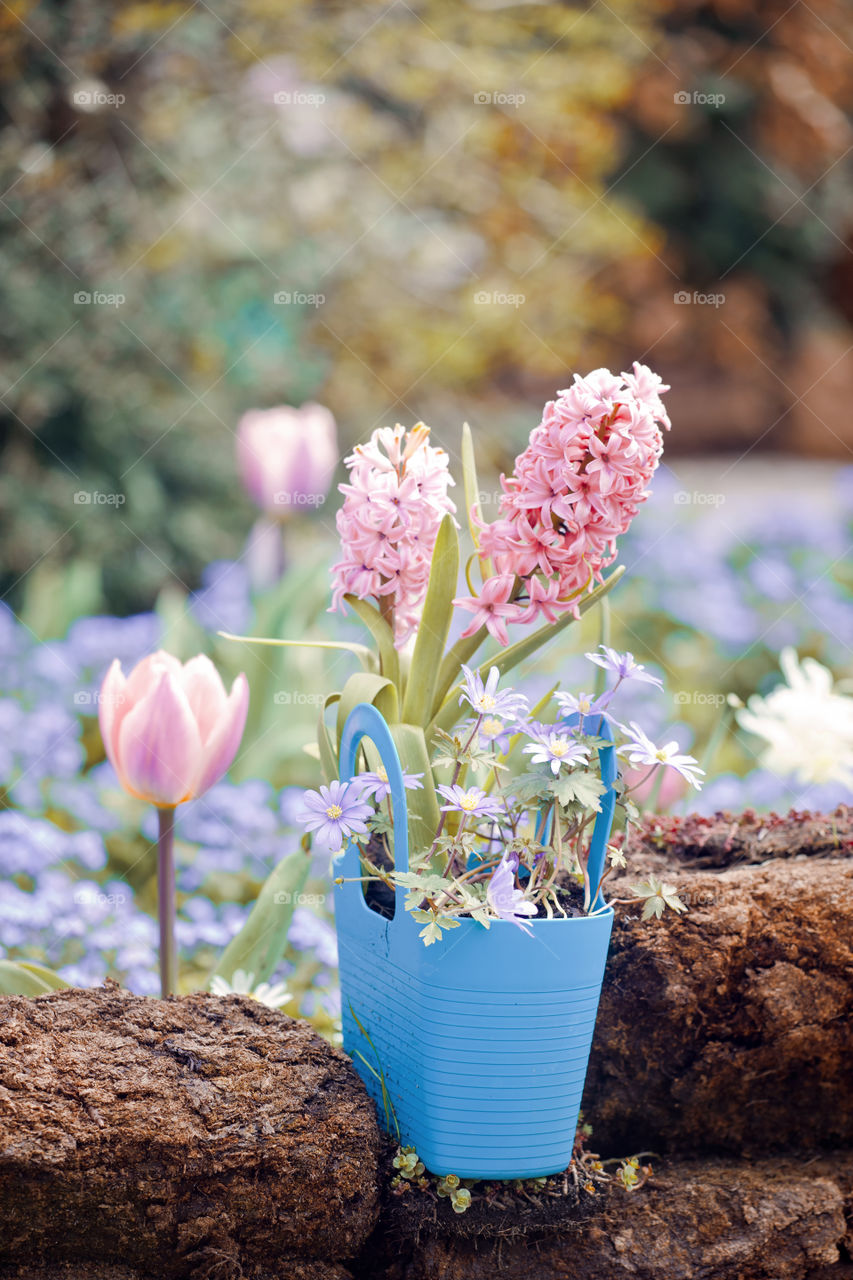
(454, 204)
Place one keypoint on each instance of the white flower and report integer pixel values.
(808, 727)
(642, 751)
(273, 995)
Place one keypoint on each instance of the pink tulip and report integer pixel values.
(287, 457)
(170, 730)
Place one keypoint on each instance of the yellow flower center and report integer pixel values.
(334, 811)
(492, 727)
(382, 773)
(468, 802)
(487, 702)
(584, 705)
(559, 747)
(661, 755)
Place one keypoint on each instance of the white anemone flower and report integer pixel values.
(272, 994)
(806, 723)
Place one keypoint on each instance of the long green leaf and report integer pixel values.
(373, 689)
(471, 483)
(448, 675)
(328, 755)
(361, 651)
(389, 659)
(422, 805)
(19, 978)
(259, 945)
(434, 626)
(515, 653)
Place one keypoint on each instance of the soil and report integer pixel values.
(200, 1136)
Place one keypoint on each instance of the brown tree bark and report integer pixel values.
(202, 1137)
(730, 1028)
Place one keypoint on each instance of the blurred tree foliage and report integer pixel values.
(183, 165)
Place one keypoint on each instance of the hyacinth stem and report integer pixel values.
(166, 901)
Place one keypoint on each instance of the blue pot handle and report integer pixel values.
(604, 821)
(364, 721)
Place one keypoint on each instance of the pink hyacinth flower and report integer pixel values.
(492, 608)
(170, 730)
(287, 457)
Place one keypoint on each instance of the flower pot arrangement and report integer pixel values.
(471, 828)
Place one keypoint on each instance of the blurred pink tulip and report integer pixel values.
(287, 457)
(672, 787)
(170, 730)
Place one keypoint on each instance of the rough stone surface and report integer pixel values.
(287, 1269)
(202, 1137)
(730, 1028)
(701, 1220)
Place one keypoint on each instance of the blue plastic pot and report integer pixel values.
(479, 1042)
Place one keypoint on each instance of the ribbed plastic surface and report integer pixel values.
(483, 1038)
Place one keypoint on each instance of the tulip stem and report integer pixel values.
(166, 901)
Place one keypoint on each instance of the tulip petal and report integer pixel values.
(113, 705)
(202, 684)
(159, 745)
(146, 674)
(221, 747)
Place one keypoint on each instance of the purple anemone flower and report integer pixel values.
(376, 785)
(554, 747)
(473, 802)
(485, 698)
(506, 901)
(623, 666)
(334, 813)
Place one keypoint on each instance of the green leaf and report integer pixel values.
(579, 787)
(448, 676)
(19, 978)
(658, 896)
(422, 805)
(510, 657)
(389, 659)
(361, 651)
(259, 945)
(471, 485)
(434, 626)
(328, 755)
(377, 691)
